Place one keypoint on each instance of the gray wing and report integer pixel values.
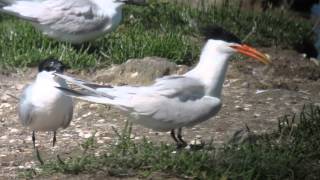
(176, 101)
(68, 103)
(76, 17)
(26, 109)
(170, 86)
(68, 117)
(179, 86)
(71, 16)
(166, 114)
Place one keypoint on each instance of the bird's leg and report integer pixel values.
(173, 135)
(54, 138)
(38, 156)
(34, 139)
(178, 141)
(35, 148)
(60, 160)
(182, 142)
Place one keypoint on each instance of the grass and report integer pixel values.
(292, 152)
(158, 29)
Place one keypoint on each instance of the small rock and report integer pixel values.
(101, 121)
(93, 106)
(256, 115)
(19, 86)
(5, 105)
(86, 115)
(13, 130)
(100, 141)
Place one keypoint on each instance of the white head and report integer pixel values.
(226, 44)
(229, 48)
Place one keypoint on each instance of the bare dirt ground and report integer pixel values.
(253, 94)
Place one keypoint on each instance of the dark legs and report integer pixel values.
(180, 137)
(34, 139)
(54, 138)
(179, 141)
(35, 148)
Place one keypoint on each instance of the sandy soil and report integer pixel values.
(253, 94)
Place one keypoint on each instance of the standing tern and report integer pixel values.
(175, 101)
(74, 21)
(41, 106)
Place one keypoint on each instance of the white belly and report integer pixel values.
(51, 113)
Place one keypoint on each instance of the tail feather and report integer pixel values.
(91, 87)
(86, 96)
(89, 93)
(27, 10)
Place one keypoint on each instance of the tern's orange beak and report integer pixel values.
(251, 52)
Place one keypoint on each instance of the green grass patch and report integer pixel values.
(165, 29)
(292, 152)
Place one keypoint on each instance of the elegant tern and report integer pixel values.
(41, 106)
(175, 101)
(74, 21)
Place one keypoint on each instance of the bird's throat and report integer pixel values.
(211, 70)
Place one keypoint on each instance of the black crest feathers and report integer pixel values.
(218, 33)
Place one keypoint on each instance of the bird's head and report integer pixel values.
(227, 43)
(51, 65)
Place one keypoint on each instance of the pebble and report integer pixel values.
(85, 135)
(106, 138)
(256, 115)
(137, 138)
(19, 86)
(269, 99)
(93, 106)
(66, 135)
(239, 108)
(133, 75)
(5, 105)
(196, 142)
(100, 141)
(13, 130)
(5, 98)
(4, 137)
(86, 115)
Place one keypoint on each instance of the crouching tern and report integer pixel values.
(42, 107)
(74, 21)
(175, 101)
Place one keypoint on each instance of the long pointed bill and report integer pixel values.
(251, 52)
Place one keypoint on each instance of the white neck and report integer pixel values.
(45, 78)
(211, 69)
(109, 3)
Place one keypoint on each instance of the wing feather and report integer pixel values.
(26, 109)
(61, 15)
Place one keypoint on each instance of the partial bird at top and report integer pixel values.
(74, 21)
(175, 101)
